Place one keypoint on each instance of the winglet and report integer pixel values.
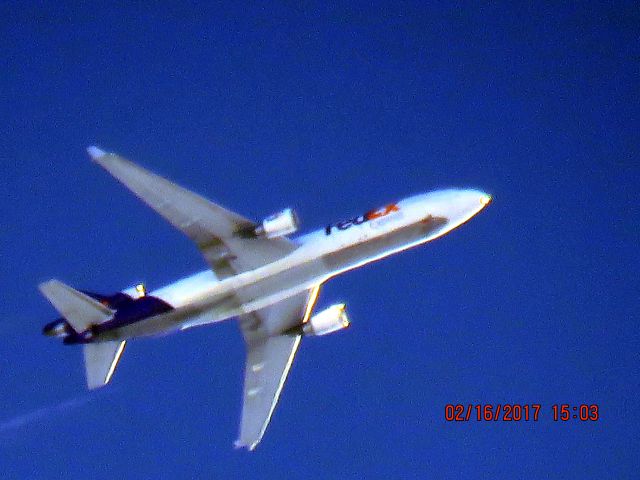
(95, 153)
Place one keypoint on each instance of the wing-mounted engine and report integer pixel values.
(327, 321)
(279, 224)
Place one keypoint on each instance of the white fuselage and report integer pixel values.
(201, 299)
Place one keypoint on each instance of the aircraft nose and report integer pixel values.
(474, 199)
(472, 202)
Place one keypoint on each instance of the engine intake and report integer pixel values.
(279, 224)
(57, 328)
(327, 321)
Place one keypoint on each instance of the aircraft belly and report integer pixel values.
(379, 247)
(216, 308)
(295, 279)
(279, 284)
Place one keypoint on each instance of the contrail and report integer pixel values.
(41, 413)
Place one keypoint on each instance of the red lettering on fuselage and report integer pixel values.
(381, 212)
(359, 220)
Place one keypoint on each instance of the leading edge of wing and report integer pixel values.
(214, 229)
(270, 355)
(267, 367)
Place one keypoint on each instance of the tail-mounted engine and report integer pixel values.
(279, 224)
(327, 321)
(57, 328)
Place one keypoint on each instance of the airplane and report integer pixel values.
(256, 273)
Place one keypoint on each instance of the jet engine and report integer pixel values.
(57, 328)
(327, 321)
(279, 224)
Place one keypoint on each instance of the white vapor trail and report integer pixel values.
(20, 421)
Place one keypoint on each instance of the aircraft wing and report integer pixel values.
(269, 358)
(216, 231)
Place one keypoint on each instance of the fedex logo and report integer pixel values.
(370, 215)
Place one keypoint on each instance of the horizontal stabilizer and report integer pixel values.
(100, 360)
(78, 309)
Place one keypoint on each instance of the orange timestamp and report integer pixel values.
(585, 413)
(516, 412)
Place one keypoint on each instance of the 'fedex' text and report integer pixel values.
(370, 215)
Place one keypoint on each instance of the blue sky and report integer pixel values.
(330, 109)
